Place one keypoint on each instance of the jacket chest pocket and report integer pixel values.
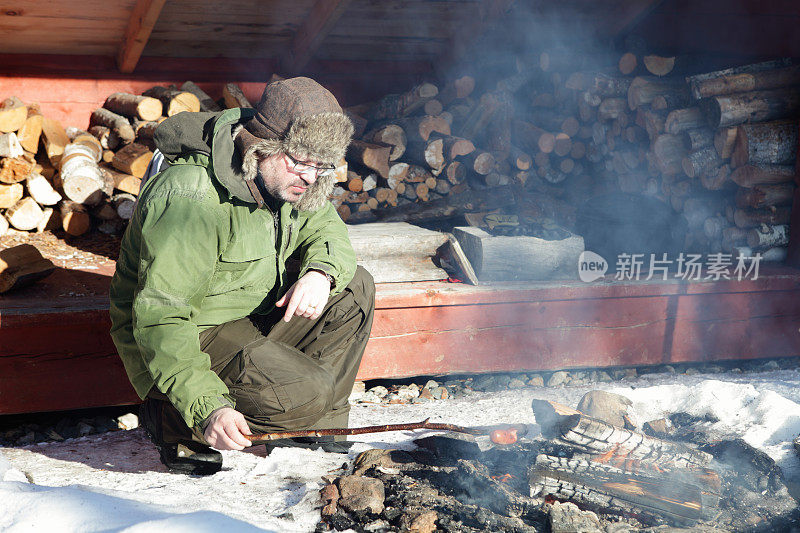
(243, 265)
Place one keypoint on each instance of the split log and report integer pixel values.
(765, 195)
(234, 97)
(608, 85)
(627, 63)
(454, 204)
(716, 179)
(428, 153)
(206, 102)
(54, 138)
(109, 140)
(124, 182)
(50, 220)
(611, 108)
(614, 490)
(10, 145)
(10, 194)
(480, 162)
(370, 182)
(22, 265)
(772, 143)
(481, 115)
(725, 140)
(677, 99)
(41, 190)
(359, 123)
(174, 101)
(753, 218)
(596, 438)
(453, 147)
(74, 218)
(421, 128)
(14, 170)
(124, 204)
(643, 90)
(459, 88)
(531, 137)
(681, 120)
(455, 172)
(134, 106)
(117, 123)
(133, 159)
(82, 180)
(752, 175)
(401, 105)
(523, 161)
(371, 155)
(745, 82)
(394, 136)
(13, 114)
(658, 65)
(397, 174)
(695, 139)
(25, 215)
(768, 236)
(699, 161)
(759, 106)
(669, 152)
(31, 131)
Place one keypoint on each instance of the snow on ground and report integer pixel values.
(115, 482)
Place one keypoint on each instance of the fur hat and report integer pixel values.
(300, 117)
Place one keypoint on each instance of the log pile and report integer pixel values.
(718, 147)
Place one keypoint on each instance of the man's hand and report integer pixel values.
(307, 297)
(226, 430)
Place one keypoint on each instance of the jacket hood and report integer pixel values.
(213, 134)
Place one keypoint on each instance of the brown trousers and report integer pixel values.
(289, 375)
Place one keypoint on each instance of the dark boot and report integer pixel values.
(179, 455)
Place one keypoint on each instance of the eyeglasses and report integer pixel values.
(304, 167)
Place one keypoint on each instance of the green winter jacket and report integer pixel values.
(198, 252)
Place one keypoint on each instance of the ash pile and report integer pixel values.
(593, 470)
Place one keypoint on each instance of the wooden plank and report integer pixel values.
(143, 19)
(55, 351)
(316, 26)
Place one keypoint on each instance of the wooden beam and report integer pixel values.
(318, 23)
(621, 24)
(489, 11)
(143, 19)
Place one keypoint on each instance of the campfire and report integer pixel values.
(572, 472)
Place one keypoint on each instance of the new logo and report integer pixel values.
(591, 266)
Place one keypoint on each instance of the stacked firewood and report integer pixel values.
(31, 147)
(75, 179)
(719, 147)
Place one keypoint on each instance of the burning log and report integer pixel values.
(611, 489)
(600, 439)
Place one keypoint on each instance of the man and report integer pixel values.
(236, 305)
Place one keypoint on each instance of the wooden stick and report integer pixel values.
(425, 424)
